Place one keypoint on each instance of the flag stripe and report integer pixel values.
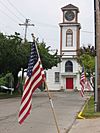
(82, 89)
(88, 85)
(35, 76)
(25, 105)
(28, 84)
(26, 113)
(32, 85)
(29, 94)
(34, 70)
(82, 82)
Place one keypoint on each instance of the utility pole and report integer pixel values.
(26, 24)
(95, 91)
(97, 56)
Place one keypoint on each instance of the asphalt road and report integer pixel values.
(41, 120)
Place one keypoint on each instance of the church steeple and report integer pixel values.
(69, 31)
(70, 13)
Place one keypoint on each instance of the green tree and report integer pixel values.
(48, 60)
(86, 57)
(14, 55)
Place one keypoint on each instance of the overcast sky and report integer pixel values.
(46, 15)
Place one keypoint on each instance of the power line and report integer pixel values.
(16, 9)
(10, 11)
(40, 23)
(8, 16)
(55, 26)
(47, 25)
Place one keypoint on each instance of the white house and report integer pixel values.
(66, 75)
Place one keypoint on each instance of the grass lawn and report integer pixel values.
(88, 111)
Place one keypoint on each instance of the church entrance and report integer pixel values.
(69, 83)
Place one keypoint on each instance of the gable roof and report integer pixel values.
(69, 7)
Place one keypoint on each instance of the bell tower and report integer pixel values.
(69, 31)
(69, 45)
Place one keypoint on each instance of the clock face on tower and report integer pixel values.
(69, 15)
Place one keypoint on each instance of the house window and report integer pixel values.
(69, 38)
(68, 66)
(56, 76)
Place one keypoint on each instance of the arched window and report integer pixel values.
(68, 66)
(69, 37)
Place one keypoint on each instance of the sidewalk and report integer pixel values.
(86, 126)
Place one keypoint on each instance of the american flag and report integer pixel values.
(82, 82)
(91, 80)
(35, 76)
(88, 85)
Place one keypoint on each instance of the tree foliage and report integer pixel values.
(86, 57)
(14, 55)
(48, 60)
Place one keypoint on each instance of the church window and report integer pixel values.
(69, 38)
(56, 76)
(68, 66)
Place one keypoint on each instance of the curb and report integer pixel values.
(80, 113)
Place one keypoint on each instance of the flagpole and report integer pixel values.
(52, 107)
(49, 95)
